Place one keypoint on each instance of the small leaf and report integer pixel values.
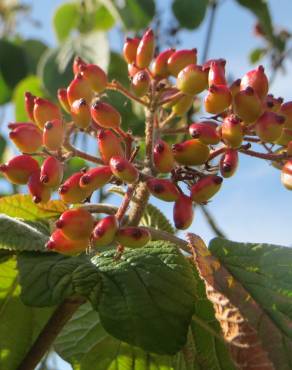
(190, 13)
(103, 18)
(3, 145)
(22, 206)
(153, 217)
(256, 55)
(148, 297)
(5, 90)
(65, 19)
(31, 84)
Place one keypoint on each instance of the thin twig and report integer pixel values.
(78, 153)
(209, 31)
(116, 86)
(212, 223)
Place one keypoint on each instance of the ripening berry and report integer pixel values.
(232, 131)
(145, 50)
(53, 135)
(273, 104)
(163, 157)
(109, 145)
(163, 189)
(133, 69)
(71, 192)
(29, 104)
(191, 152)
(183, 105)
(77, 63)
(95, 76)
(27, 138)
(216, 75)
(183, 212)
(133, 237)
(63, 99)
(14, 125)
(286, 111)
(169, 93)
(95, 178)
(192, 80)
(79, 88)
(104, 232)
(130, 49)
(269, 126)
(123, 169)
(247, 105)
(205, 188)
(45, 111)
(234, 88)
(256, 79)
(285, 137)
(160, 67)
(286, 175)
(76, 223)
(105, 115)
(141, 83)
(51, 172)
(80, 112)
(19, 169)
(228, 163)
(205, 131)
(180, 59)
(218, 99)
(39, 192)
(58, 242)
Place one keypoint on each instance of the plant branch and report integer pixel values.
(100, 208)
(171, 98)
(268, 156)
(126, 201)
(157, 234)
(78, 153)
(212, 223)
(214, 7)
(116, 86)
(55, 324)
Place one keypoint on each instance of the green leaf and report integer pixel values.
(18, 235)
(190, 13)
(135, 14)
(103, 18)
(19, 324)
(264, 271)
(261, 10)
(5, 90)
(256, 55)
(31, 84)
(33, 51)
(22, 206)
(74, 165)
(65, 19)
(13, 65)
(147, 297)
(153, 217)
(46, 279)
(3, 145)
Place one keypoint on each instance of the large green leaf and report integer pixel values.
(31, 84)
(33, 51)
(65, 19)
(22, 206)
(190, 13)
(147, 297)
(18, 236)
(19, 324)
(261, 289)
(153, 217)
(46, 279)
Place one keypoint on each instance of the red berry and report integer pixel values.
(51, 172)
(76, 223)
(192, 80)
(44, 111)
(269, 126)
(216, 75)
(145, 50)
(183, 105)
(19, 169)
(27, 138)
(80, 112)
(39, 192)
(218, 99)
(232, 131)
(133, 69)
(286, 175)
(234, 87)
(60, 243)
(123, 169)
(273, 104)
(71, 192)
(228, 163)
(286, 111)
(77, 63)
(256, 79)
(163, 189)
(183, 212)
(180, 59)
(79, 88)
(133, 237)
(191, 152)
(105, 115)
(109, 145)
(160, 67)
(205, 131)
(247, 105)
(141, 83)
(163, 157)
(285, 137)
(130, 49)
(95, 76)
(53, 135)
(95, 178)
(29, 104)
(205, 188)
(104, 232)
(63, 99)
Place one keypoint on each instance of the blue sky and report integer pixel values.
(252, 205)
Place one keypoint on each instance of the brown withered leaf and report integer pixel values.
(254, 344)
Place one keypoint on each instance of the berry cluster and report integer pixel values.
(242, 114)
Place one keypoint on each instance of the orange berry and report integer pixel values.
(163, 189)
(123, 169)
(218, 99)
(247, 105)
(19, 169)
(160, 67)
(232, 131)
(192, 80)
(163, 157)
(269, 126)
(180, 59)
(71, 192)
(286, 175)
(95, 76)
(141, 83)
(228, 163)
(105, 115)
(44, 111)
(145, 50)
(60, 243)
(53, 135)
(51, 172)
(205, 188)
(76, 223)
(109, 145)
(80, 113)
(29, 104)
(39, 192)
(27, 138)
(104, 232)
(183, 212)
(205, 131)
(79, 88)
(63, 99)
(191, 152)
(95, 178)
(133, 237)
(256, 79)
(130, 49)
